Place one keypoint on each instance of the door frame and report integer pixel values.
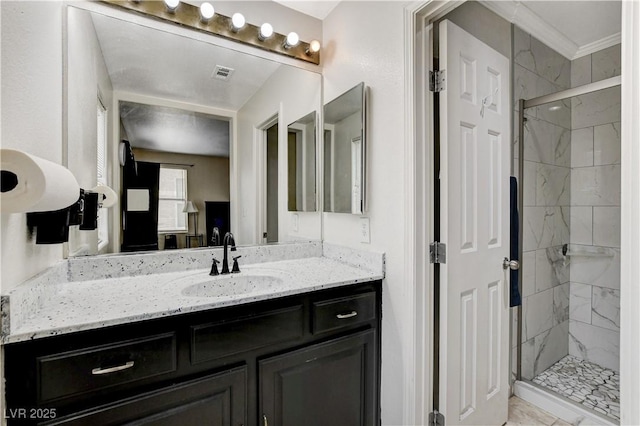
(260, 166)
(419, 194)
(419, 212)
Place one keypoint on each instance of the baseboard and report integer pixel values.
(558, 406)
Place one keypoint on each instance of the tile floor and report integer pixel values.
(595, 387)
(523, 413)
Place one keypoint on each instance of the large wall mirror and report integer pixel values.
(196, 118)
(345, 152)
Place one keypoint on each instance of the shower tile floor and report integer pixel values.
(595, 387)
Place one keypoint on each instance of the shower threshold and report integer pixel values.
(546, 392)
(595, 387)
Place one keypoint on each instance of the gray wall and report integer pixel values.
(483, 24)
(539, 70)
(595, 212)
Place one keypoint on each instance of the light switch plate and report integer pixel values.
(294, 222)
(365, 236)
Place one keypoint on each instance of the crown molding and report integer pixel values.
(597, 45)
(519, 14)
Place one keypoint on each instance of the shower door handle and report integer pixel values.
(514, 265)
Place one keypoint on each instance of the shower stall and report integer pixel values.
(566, 338)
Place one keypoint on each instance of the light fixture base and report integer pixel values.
(189, 16)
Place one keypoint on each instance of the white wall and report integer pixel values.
(363, 41)
(31, 104)
(291, 94)
(31, 118)
(630, 207)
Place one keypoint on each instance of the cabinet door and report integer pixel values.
(217, 400)
(333, 383)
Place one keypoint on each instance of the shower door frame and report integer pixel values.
(418, 372)
(524, 104)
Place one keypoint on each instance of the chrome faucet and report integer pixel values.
(228, 239)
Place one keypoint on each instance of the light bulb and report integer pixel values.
(266, 31)
(206, 11)
(237, 21)
(172, 4)
(314, 47)
(292, 40)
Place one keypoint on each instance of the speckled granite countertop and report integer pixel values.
(47, 307)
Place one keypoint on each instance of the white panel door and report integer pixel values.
(474, 179)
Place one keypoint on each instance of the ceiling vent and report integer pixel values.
(222, 73)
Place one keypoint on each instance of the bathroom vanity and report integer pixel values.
(292, 354)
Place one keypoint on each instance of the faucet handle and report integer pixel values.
(235, 269)
(214, 267)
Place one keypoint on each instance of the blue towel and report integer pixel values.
(515, 299)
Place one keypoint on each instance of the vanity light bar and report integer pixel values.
(189, 16)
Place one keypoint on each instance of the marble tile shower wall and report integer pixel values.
(595, 213)
(539, 70)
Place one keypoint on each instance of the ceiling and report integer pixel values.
(159, 64)
(181, 131)
(317, 9)
(572, 28)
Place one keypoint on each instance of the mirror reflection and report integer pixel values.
(180, 158)
(194, 116)
(301, 155)
(345, 152)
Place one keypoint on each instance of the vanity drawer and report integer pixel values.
(99, 367)
(329, 315)
(226, 338)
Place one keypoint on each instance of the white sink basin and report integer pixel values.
(232, 285)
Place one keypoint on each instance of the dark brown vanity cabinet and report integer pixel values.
(218, 399)
(329, 383)
(310, 359)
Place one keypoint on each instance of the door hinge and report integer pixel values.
(436, 418)
(437, 80)
(437, 252)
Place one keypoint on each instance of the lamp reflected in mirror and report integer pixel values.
(192, 210)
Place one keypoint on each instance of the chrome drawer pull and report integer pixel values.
(98, 371)
(345, 316)
(264, 420)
